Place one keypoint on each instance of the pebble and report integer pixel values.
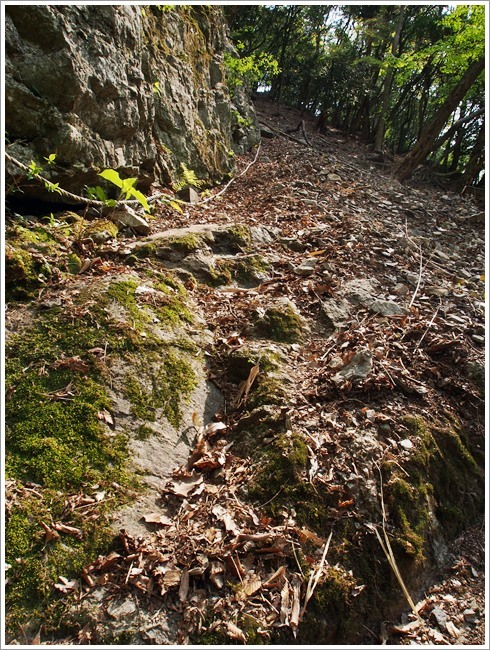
(469, 615)
(440, 617)
(306, 268)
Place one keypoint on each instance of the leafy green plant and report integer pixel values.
(249, 70)
(187, 178)
(127, 188)
(35, 169)
(240, 120)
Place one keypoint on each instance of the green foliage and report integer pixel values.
(241, 121)
(335, 61)
(250, 71)
(187, 178)
(34, 169)
(126, 186)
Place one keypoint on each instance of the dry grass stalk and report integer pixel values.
(315, 577)
(388, 551)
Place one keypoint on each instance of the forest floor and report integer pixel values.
(347, 216)
(336, 219)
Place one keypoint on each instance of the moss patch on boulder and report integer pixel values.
(281, 322)
(58, 442)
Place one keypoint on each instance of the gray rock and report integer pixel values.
(189, 194)
(306, 268)
(113, 86)
(129, 218)
(265, 132)
(361, 291)
(476, 371)
(336, 312)
(199, 263)
(439, 616)
(387, 308)
(122, 609)
(262, 235)
(293, 243)
(358, 368)
(101, 237)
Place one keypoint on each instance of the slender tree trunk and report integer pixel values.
(456, 151)
(476, 162)
(431, 131)
(452, 129)
(388, 83)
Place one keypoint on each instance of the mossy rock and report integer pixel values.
(56, 437)
(444, 481)
(74, 263)
(281, 322)
(247, 271)
(100, 231)
(280, 482)
(28, 256)
(159, 384)
(231, 240)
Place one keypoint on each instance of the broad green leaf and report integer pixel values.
(100, 193)
(112, 176)
(176, 206)
(127, 185)
(140, 197)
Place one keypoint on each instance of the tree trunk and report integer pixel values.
(388, 83)
(476, 162)
(431, 131)
(452, 129)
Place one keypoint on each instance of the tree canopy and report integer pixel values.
(392, 74)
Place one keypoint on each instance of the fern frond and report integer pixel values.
(187, 178)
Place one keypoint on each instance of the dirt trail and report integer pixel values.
(351, 304)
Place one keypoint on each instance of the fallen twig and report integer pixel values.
(388, 551)
(211, 198)
(429, 325)
(315, 577)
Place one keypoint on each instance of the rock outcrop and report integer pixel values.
(140, 90)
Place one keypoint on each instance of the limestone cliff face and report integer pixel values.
(131, 88)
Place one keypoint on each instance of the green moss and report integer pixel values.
(240, 234)
(410, 510)
(74, 263)
(282, 324)
(36, 565)
(245, 271)
(36, 238)
(144, 432)
(330, 609)
(21, 274)
(186, 244)
(281, 482)
(443, 478)
(54, 438)
(250, 627)
(144, 252)
(268, 390)
(219, 275)
(164, 386)
(99, 226)
(26, 264)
